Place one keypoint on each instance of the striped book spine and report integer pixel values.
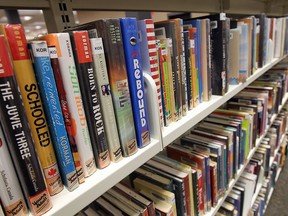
(29, 90)
(11, 194)
(44, 75)
(153, 59)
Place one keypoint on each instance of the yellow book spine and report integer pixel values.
(33, 106)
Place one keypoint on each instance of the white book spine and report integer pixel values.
(71, 85)
(102, 80)
(10, 191)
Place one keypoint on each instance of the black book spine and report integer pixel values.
(90, 96)
(19, 139)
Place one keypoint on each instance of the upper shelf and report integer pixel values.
(176, 129)
(278, 8)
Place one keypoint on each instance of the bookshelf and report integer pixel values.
(69, 203)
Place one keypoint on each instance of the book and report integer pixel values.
(176, 184)
(12, 198)
(167, 29)
(135, 77)
(69, 125)
(165, 78)
(103, 85)
(188, 66)
(71, 84)
(107, 207)
(19, 138)
(149, 56)
(162, 208)
(195, 75)
(243, 60)
(41, 63)
(136, 197)
(127, 210)
(234, 49)
(128, 202)
(164, 195)
(29, 90)
(90, 96)
(110, 32)
(196, 26)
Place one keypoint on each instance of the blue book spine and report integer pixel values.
(135, 79)
(45, 78)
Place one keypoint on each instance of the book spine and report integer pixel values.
(214, 185)
(70, 80)
(66, 112)
(204, 58)
(198, 58)
(153, 60)
(103, 85)
(163, 93)
(90, 96)
(187, 48)
(196, 198)
(182, 63)
(195, 78)
(33, 106)
(19, 139)
(209, 57)
(135, 77)
(119, 85)
(166, 79)
(44, 75)
(11, 194)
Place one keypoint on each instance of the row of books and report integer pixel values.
(257, 173)
(194, 172)
(55, 95)
(216, 51)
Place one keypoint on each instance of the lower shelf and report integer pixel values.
(69, 203)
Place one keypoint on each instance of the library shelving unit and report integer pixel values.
(58, 16)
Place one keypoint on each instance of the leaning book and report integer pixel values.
(19, 139)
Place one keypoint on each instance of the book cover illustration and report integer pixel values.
(70, 127)
(90, 96)
(103, 85)
(44, 75)
(70, 81)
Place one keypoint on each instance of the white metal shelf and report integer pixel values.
(176, 129)
(69, 203)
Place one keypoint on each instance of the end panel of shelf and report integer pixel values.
(176, 129)
(69, 203)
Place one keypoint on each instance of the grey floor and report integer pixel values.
(278, 205)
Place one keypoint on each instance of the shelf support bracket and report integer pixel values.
(59, 16)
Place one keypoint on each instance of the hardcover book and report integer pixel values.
(19, 138)
(44, 75)
(90, 96)
(33, 105)
(149, 56)
(12, 198)
(110, 32)
(70, 81)
(135, 78)
(70, 126)
(103, 85)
